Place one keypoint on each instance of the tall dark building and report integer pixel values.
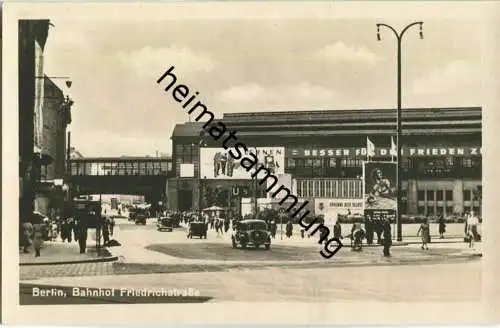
(44, 114)
(32, 38)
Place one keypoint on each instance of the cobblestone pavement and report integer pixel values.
(119, 268)
(422, 283)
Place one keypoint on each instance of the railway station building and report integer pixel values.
(324, 150)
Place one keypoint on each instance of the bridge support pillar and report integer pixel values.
(172, 194)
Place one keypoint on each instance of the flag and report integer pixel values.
(370, 148)
(394, 150)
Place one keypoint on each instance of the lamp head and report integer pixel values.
(421, 33)
(69, 83)
(378, 33)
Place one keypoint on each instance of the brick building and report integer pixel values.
(323, 152)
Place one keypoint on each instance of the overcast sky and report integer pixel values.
(241, 66)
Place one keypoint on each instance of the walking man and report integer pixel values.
(387, 238)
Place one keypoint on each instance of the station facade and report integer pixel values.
(323, 151)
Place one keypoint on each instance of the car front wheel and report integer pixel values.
(268, 246)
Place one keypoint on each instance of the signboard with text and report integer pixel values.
(331, 208)
(384, 152)
(217, 163)
(379, 181)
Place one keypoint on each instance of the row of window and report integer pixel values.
(329, 188)
(443, 195)
(437, 195)
(316, 167)
(121, 168)
(432, 210)
(353, 188)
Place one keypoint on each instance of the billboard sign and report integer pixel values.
(333, 208)
(380, 199)
(328, 206)
(217, 163)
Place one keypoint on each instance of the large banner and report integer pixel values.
(217, 163)
(380, 198)
(383, 152)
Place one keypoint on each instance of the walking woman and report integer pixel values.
(38, 228)
(441, 226)
(472, 233)
(425, 231)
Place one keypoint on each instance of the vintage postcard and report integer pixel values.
(295, 163)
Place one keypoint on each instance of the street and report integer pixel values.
(292, 270)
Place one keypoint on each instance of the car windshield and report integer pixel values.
(254, 226)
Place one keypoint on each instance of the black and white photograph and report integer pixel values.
(239, 155)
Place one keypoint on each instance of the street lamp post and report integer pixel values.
(201, 143)
(399, 37)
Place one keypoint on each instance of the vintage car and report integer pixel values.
(251, 232)
(165, 223)
(140, 218)
(198, 229)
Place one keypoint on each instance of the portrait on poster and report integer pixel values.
(380, 185)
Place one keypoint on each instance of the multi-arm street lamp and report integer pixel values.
(399, 37)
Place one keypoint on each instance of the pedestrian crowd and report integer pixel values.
(39, 228)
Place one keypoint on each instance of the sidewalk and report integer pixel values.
(58, 252)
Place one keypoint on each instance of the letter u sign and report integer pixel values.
(236, 190)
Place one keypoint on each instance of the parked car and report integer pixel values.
(251, 232)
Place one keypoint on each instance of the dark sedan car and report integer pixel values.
(251, 233)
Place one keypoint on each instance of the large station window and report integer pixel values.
(439, 195)
(186, 152)
(449, 194)
(467, 195)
